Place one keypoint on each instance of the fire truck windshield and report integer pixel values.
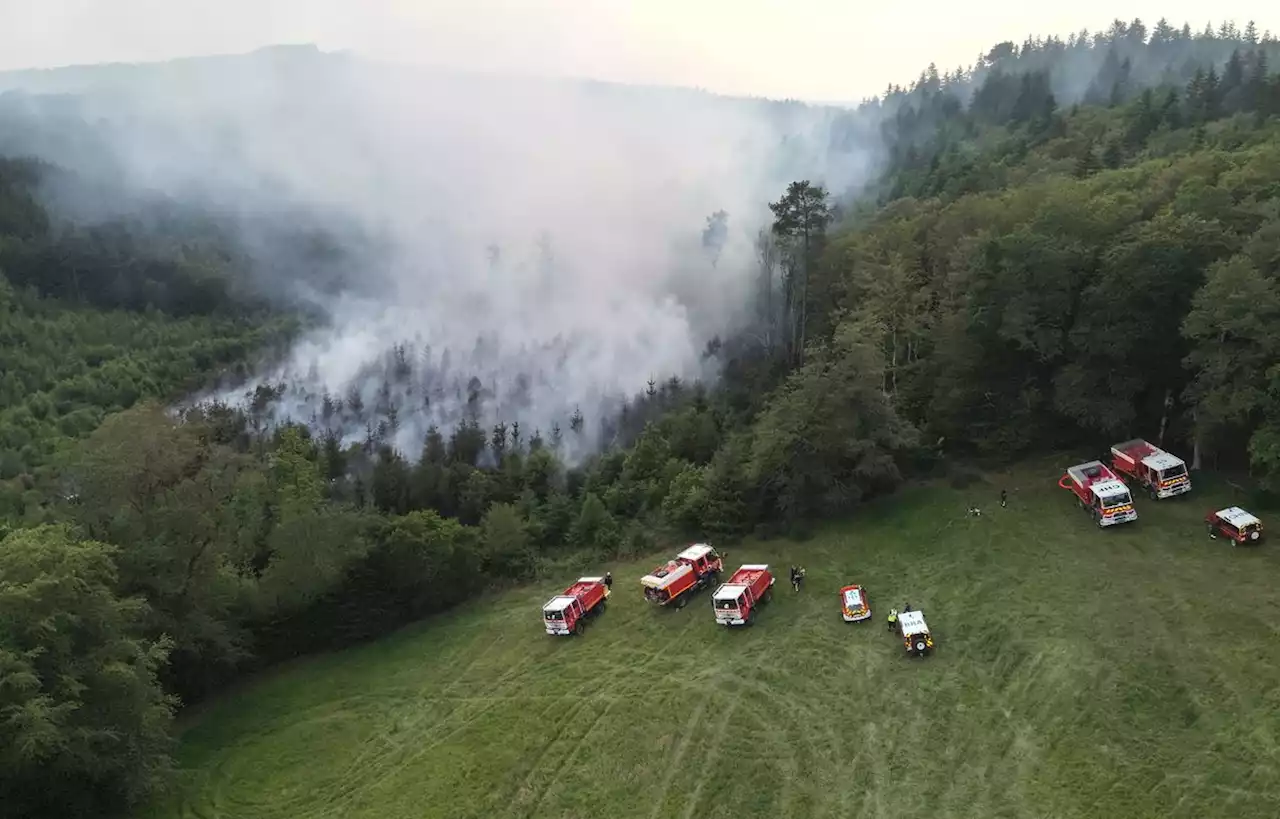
(1119, 499)
(555, 615)
(726, 604)
(1173, 472)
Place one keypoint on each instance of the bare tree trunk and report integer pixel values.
(1195, 447)
(893, 363)
(1164, 418)
(804, 301)
(767, 257)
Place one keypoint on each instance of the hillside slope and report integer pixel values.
(1079, 674)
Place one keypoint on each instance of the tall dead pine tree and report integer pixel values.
(800, 220)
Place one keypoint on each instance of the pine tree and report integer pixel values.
(1212, 105)
(1112, 156)
(1195, 97)
(1171, 110)
(1087, 163)
(1231, 90)
(1255, 87)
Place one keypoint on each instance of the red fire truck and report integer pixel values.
(1100, 493)
(1163, 475)
(567, 613)
(695, 568)
(736, 601)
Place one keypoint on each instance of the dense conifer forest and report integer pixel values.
(1072, 242)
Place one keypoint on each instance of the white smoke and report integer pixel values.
(540, 237)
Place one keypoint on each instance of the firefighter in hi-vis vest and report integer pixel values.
(893, 619)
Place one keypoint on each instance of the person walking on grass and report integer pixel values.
(1004, 498)
(608, 580)
(893, 619)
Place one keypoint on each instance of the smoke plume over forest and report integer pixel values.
(510, 249)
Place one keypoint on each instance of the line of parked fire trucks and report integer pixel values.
(735, 602)
(1102, 491)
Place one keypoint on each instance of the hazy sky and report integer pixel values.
(811, 49)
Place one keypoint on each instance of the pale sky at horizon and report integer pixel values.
(808, 49)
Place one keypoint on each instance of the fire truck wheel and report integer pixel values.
(579, 627)
(1151, 493)
(920, 646)
(751, 617)
(767, 596)
(682, 601)
(601, 606)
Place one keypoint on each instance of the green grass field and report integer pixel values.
(1079, 673)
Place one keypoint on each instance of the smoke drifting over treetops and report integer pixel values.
(510, 250)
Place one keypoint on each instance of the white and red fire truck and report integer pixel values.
(1163, 475)
(697, 567)
(736, 601)
(567, 613)
(1235, 524)
(1100, 493)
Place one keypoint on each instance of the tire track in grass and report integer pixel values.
(784, 756)
(620, 668)
(580, 699)
(803, 720)
(673, 766)
(527, 789)
(706, 763)
(379, 750)
(373, 761)
(373, 768)
(377, 761)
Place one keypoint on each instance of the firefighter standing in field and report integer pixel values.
(608, 580)
(1004, 498)
(893, 619)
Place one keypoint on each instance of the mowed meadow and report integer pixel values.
(1079, 673)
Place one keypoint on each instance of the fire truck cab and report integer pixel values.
(1162, 474)
(1100, 493)
(1235, 524)
(697, 567)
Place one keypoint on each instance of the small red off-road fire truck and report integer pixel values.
(736, 601)
(1163, 475)
(695, 568)
(1100, 493)
(916, 638)
(1236, 525)
(567, 613)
